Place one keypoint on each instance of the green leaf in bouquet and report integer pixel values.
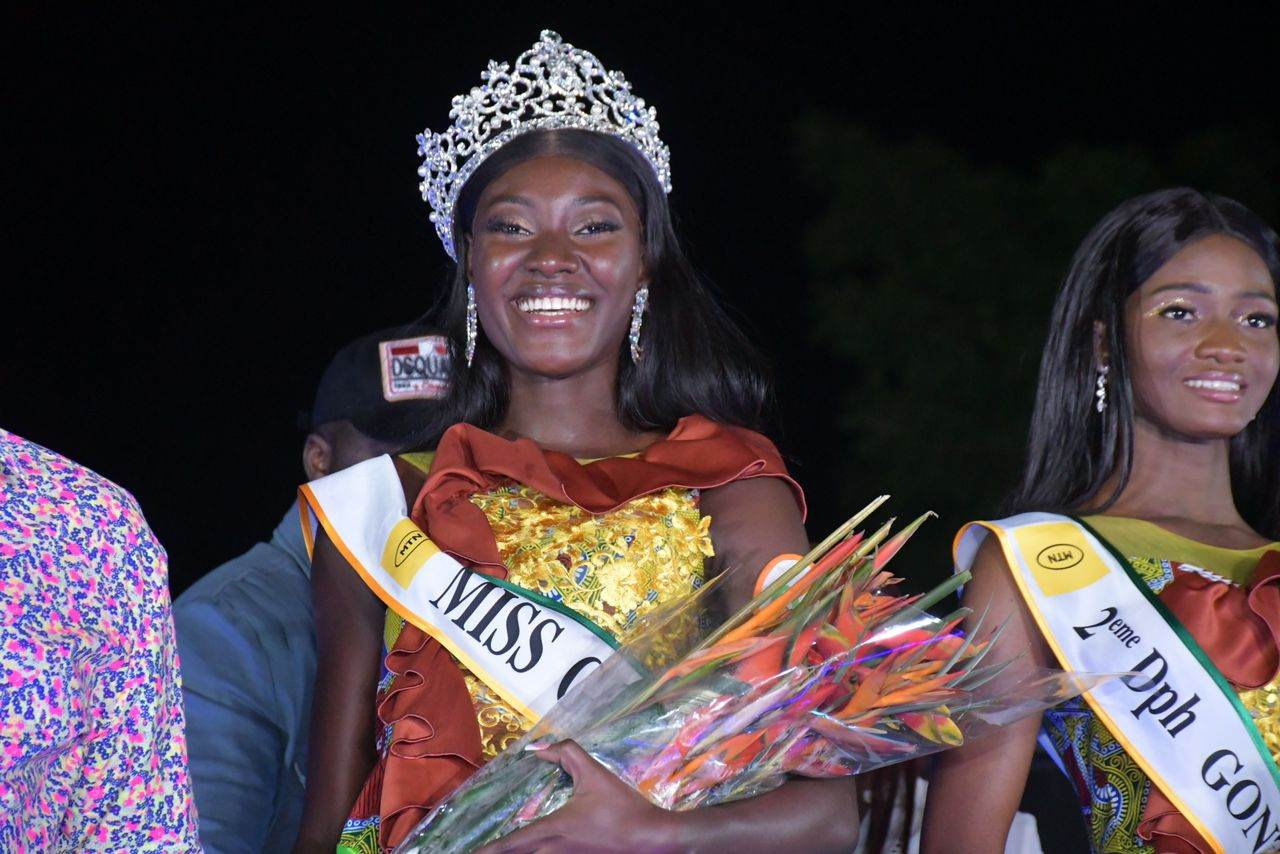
(990, 644)
(867, 570)
(484, 810)
(886, 552)
(977, 678)
(968, 639)
(943, 590)
(779, 586)
(808, 619)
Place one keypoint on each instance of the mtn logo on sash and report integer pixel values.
(1059, 559)
(406, 550)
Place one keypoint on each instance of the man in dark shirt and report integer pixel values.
(246, 634)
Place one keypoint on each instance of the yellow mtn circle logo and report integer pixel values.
(406, 550)
(1059, 558)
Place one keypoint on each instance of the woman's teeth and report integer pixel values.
(552, 305)
(1214, 385)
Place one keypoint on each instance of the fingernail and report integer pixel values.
(536, 745)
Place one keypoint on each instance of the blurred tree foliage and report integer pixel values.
(931, 282)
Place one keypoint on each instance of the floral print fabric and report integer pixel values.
(92, 753)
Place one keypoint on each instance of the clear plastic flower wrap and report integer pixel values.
(822, 674)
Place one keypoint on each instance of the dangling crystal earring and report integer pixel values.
(472, 324)
(1100, 392)
(637, 318)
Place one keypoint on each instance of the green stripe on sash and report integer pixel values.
(552, 605)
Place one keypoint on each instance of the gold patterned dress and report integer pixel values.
(612, 569)
(1112, 789)
(611, 539)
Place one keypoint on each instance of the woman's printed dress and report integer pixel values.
(611, 568)
(92, 754)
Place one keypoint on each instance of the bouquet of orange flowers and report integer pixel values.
(824, 673)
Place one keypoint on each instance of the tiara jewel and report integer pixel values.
(552, 85)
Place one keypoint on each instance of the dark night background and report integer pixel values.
(200, 210)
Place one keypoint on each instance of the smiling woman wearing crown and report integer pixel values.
(605, 462)
(1157, 421)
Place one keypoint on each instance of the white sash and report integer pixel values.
(524, 646)
(1177, 716)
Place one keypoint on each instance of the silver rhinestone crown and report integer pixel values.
(552, 85)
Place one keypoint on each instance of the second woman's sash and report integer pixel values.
(1175, 713)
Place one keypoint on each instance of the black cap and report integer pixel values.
(389, 385)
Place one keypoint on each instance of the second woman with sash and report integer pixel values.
(1144, 541)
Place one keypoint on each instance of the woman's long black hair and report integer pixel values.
(1072, 450)
(696, 359)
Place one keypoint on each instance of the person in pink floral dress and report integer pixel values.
(92, 753)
